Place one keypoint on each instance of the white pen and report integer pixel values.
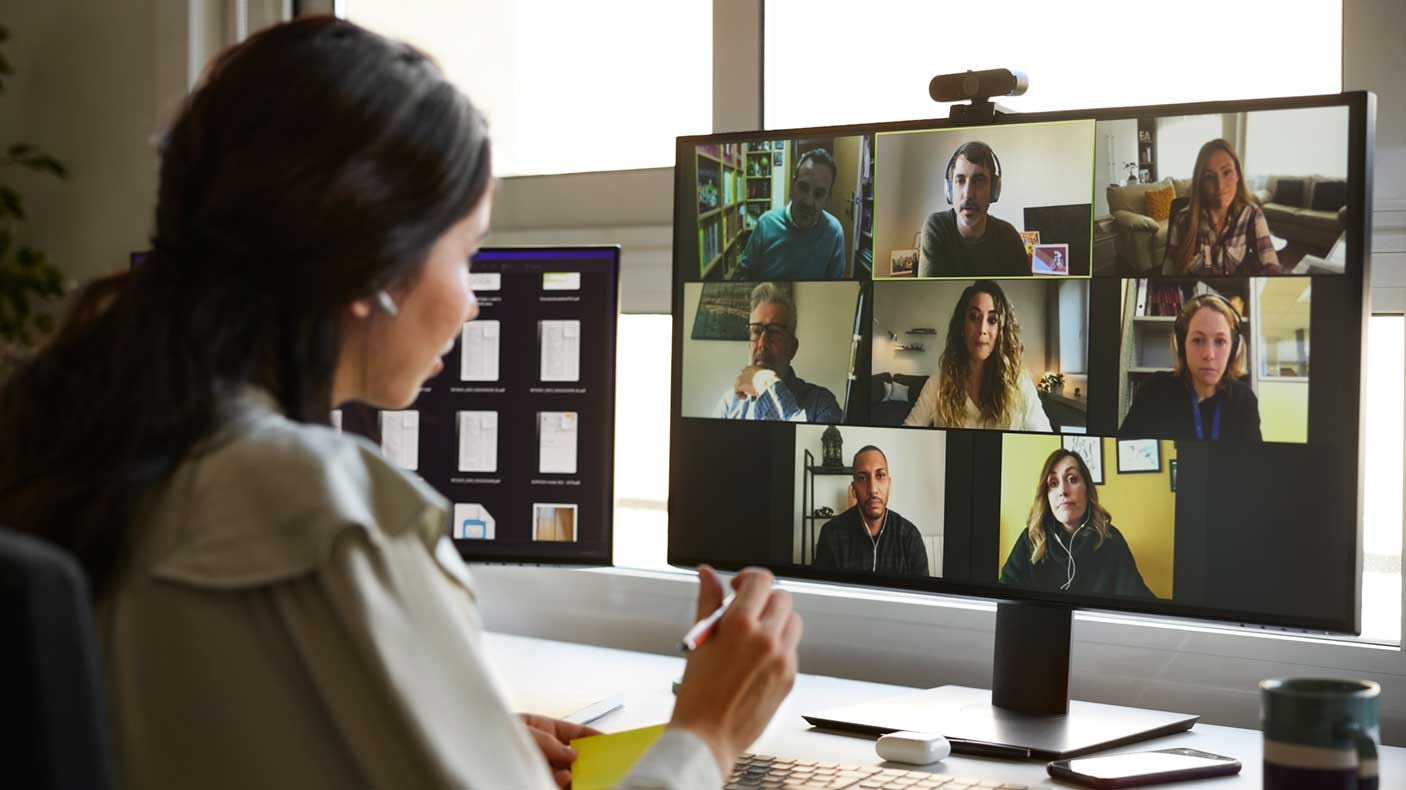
(703, 629)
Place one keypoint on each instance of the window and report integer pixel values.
(642, 440)
(568, 87)
(1100, 53)
(1384, 404)
(1282, 319)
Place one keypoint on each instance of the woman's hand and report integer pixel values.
(553, 737)
(735, 681)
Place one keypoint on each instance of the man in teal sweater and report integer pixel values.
(801, 241)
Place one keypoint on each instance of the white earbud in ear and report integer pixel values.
(383, 298)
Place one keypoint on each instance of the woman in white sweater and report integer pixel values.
(979, 381)
(278, 605)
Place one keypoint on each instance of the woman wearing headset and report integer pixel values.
(1220, 231)
(979, 382)
(280, 606)
(1069, 542)
(1203, 398)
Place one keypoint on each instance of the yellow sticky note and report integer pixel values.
(603, 760)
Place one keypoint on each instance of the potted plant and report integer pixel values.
(1051, 382)
(27, 280)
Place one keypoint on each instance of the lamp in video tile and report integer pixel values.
(832, 447)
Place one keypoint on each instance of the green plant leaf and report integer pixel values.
(11, 203)
(45, 164)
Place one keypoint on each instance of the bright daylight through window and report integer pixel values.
(1098, 53)
(559, 80)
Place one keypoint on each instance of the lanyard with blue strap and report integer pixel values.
(1196, 413)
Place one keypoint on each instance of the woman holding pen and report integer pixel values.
(279, 605)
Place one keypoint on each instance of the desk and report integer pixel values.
(536, 667)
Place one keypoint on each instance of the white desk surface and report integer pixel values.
(540, 670)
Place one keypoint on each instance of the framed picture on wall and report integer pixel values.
(1089, 448)
(1139, 456)
(903, 263)
(1050, 259)
(724, 309)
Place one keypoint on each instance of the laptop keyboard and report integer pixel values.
(757, 771)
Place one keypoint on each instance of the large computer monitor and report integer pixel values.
(1080, 346)
(517, 431)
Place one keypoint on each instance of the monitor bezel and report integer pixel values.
(1361, 143)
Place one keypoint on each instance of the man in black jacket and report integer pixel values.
(869, 536)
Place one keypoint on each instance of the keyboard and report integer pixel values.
(757, 771)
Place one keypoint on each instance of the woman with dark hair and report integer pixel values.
(1069, 542)
(279, 606)
(1220, 231)
(979, 382)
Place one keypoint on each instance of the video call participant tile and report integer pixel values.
(768, 351)
(981, 202)
(1020, 345)
(1088, 515)
(1248, 193)
(781, 209)
(1217, 359)
(879, 510)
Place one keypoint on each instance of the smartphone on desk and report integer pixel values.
(1143, 768)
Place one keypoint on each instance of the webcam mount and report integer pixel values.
(978, 87)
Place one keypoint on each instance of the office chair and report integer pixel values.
(54, 709)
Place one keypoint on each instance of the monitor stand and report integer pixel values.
(1027, 714)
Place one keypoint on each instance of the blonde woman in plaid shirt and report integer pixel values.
(1220, 231)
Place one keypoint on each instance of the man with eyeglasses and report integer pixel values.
(768, 388)
(802, 241)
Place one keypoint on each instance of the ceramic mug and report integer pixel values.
(1319, 733)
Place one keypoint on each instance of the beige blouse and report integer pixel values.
(290, 613)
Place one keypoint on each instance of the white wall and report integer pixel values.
(1115, 142)
(900, 306)
(1306, 142)
(825, 326)
(917, 465)
(95, 83)
(1041, 165)
(1179, 138)
(1072, 345)
(85, 91)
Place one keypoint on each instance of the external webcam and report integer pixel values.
(977, 85)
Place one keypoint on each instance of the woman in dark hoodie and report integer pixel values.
(1069, 542)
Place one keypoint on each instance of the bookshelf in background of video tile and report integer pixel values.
(720, 207)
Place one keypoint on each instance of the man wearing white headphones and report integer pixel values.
(965, 240)
(870, 537)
